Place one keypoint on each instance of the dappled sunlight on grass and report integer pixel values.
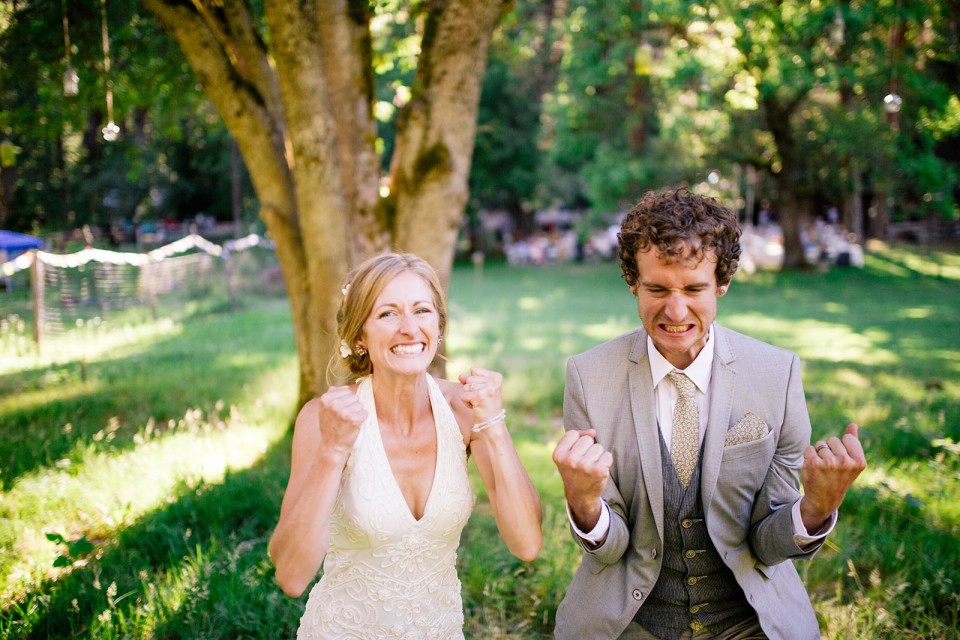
(835, 308)
(851, 378)
(180, 516)
(896, 411)
(914, 313)
(529, 303)
(131, 483)
(533, 343)
(243, 359)
(91, 343)
(31, 399)
(537, 458)
(609, 329)
(926, 487)
(100, 447)
(469, 336)
(938, 264)
(816, 339)
(887, 267)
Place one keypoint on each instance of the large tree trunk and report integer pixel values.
(853, 199)
(436, 131)
(788, 204)
(301, 112)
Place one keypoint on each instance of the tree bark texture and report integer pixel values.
(299, 103)
(789, 208)
(436, 130)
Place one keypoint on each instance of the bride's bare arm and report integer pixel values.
(513, 498)
(323, 437)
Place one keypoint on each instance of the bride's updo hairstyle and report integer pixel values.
(360, 291)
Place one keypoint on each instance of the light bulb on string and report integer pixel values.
(892, 102)
(71, 81)
(837, 28)
(111, 131)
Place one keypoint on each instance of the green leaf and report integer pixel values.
(55, 538)
(79, 547)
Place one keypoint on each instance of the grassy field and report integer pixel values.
(142, 466)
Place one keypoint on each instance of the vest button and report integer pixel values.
(692, 580)
(686, 523)
(690, 553)
(637, 594)
(695, 608)
(653, 553)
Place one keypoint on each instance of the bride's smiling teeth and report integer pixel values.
(407, 349)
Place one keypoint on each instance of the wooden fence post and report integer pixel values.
(231, 278)
(149, 286)
(36, 290)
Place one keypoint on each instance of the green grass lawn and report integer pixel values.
(155, 454)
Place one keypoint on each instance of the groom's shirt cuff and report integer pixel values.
(805, 539)
(599, 532)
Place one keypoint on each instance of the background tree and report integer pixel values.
(358, 120)
(754, 101)
(298, 94)
(805, 95)
(507, 167)
(64, 170)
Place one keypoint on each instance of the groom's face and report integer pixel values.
(677, 301)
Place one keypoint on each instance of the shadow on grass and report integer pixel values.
(197, 568)
(875, 346)
(107, 402)
(891, 551)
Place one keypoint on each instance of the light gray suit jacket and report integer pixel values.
(748, 489)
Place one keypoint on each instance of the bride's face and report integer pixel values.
(403, 328)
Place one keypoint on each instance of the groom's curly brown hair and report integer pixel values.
(678, 224)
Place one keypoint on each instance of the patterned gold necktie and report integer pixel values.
(685, 437)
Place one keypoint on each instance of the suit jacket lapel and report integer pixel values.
(722, 385)
(645, 425)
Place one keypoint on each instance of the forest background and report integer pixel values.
(374, 125)
(585, 104)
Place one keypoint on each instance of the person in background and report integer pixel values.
(378, 490)
(685, 448)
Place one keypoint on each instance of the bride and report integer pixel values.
(379, 490)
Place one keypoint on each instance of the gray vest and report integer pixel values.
(694, 587)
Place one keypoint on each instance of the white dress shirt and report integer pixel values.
(665, 395)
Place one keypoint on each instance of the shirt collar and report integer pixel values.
(698, 371)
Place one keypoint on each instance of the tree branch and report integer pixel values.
(437, 129)
(250, 113)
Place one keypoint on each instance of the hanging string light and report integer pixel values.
(837, 28)
(111, 131)
(892, 101)
(71, 81)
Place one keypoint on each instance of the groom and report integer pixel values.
(685, 446)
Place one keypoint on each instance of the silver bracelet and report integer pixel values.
(489, 422)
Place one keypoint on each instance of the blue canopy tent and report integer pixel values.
(16, 243)
(12, 244)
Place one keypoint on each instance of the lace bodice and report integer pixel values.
(386, 574)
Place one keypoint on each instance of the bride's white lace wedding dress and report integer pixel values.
(387, 574)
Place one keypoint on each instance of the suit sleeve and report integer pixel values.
(771, 531)
(576, 416)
